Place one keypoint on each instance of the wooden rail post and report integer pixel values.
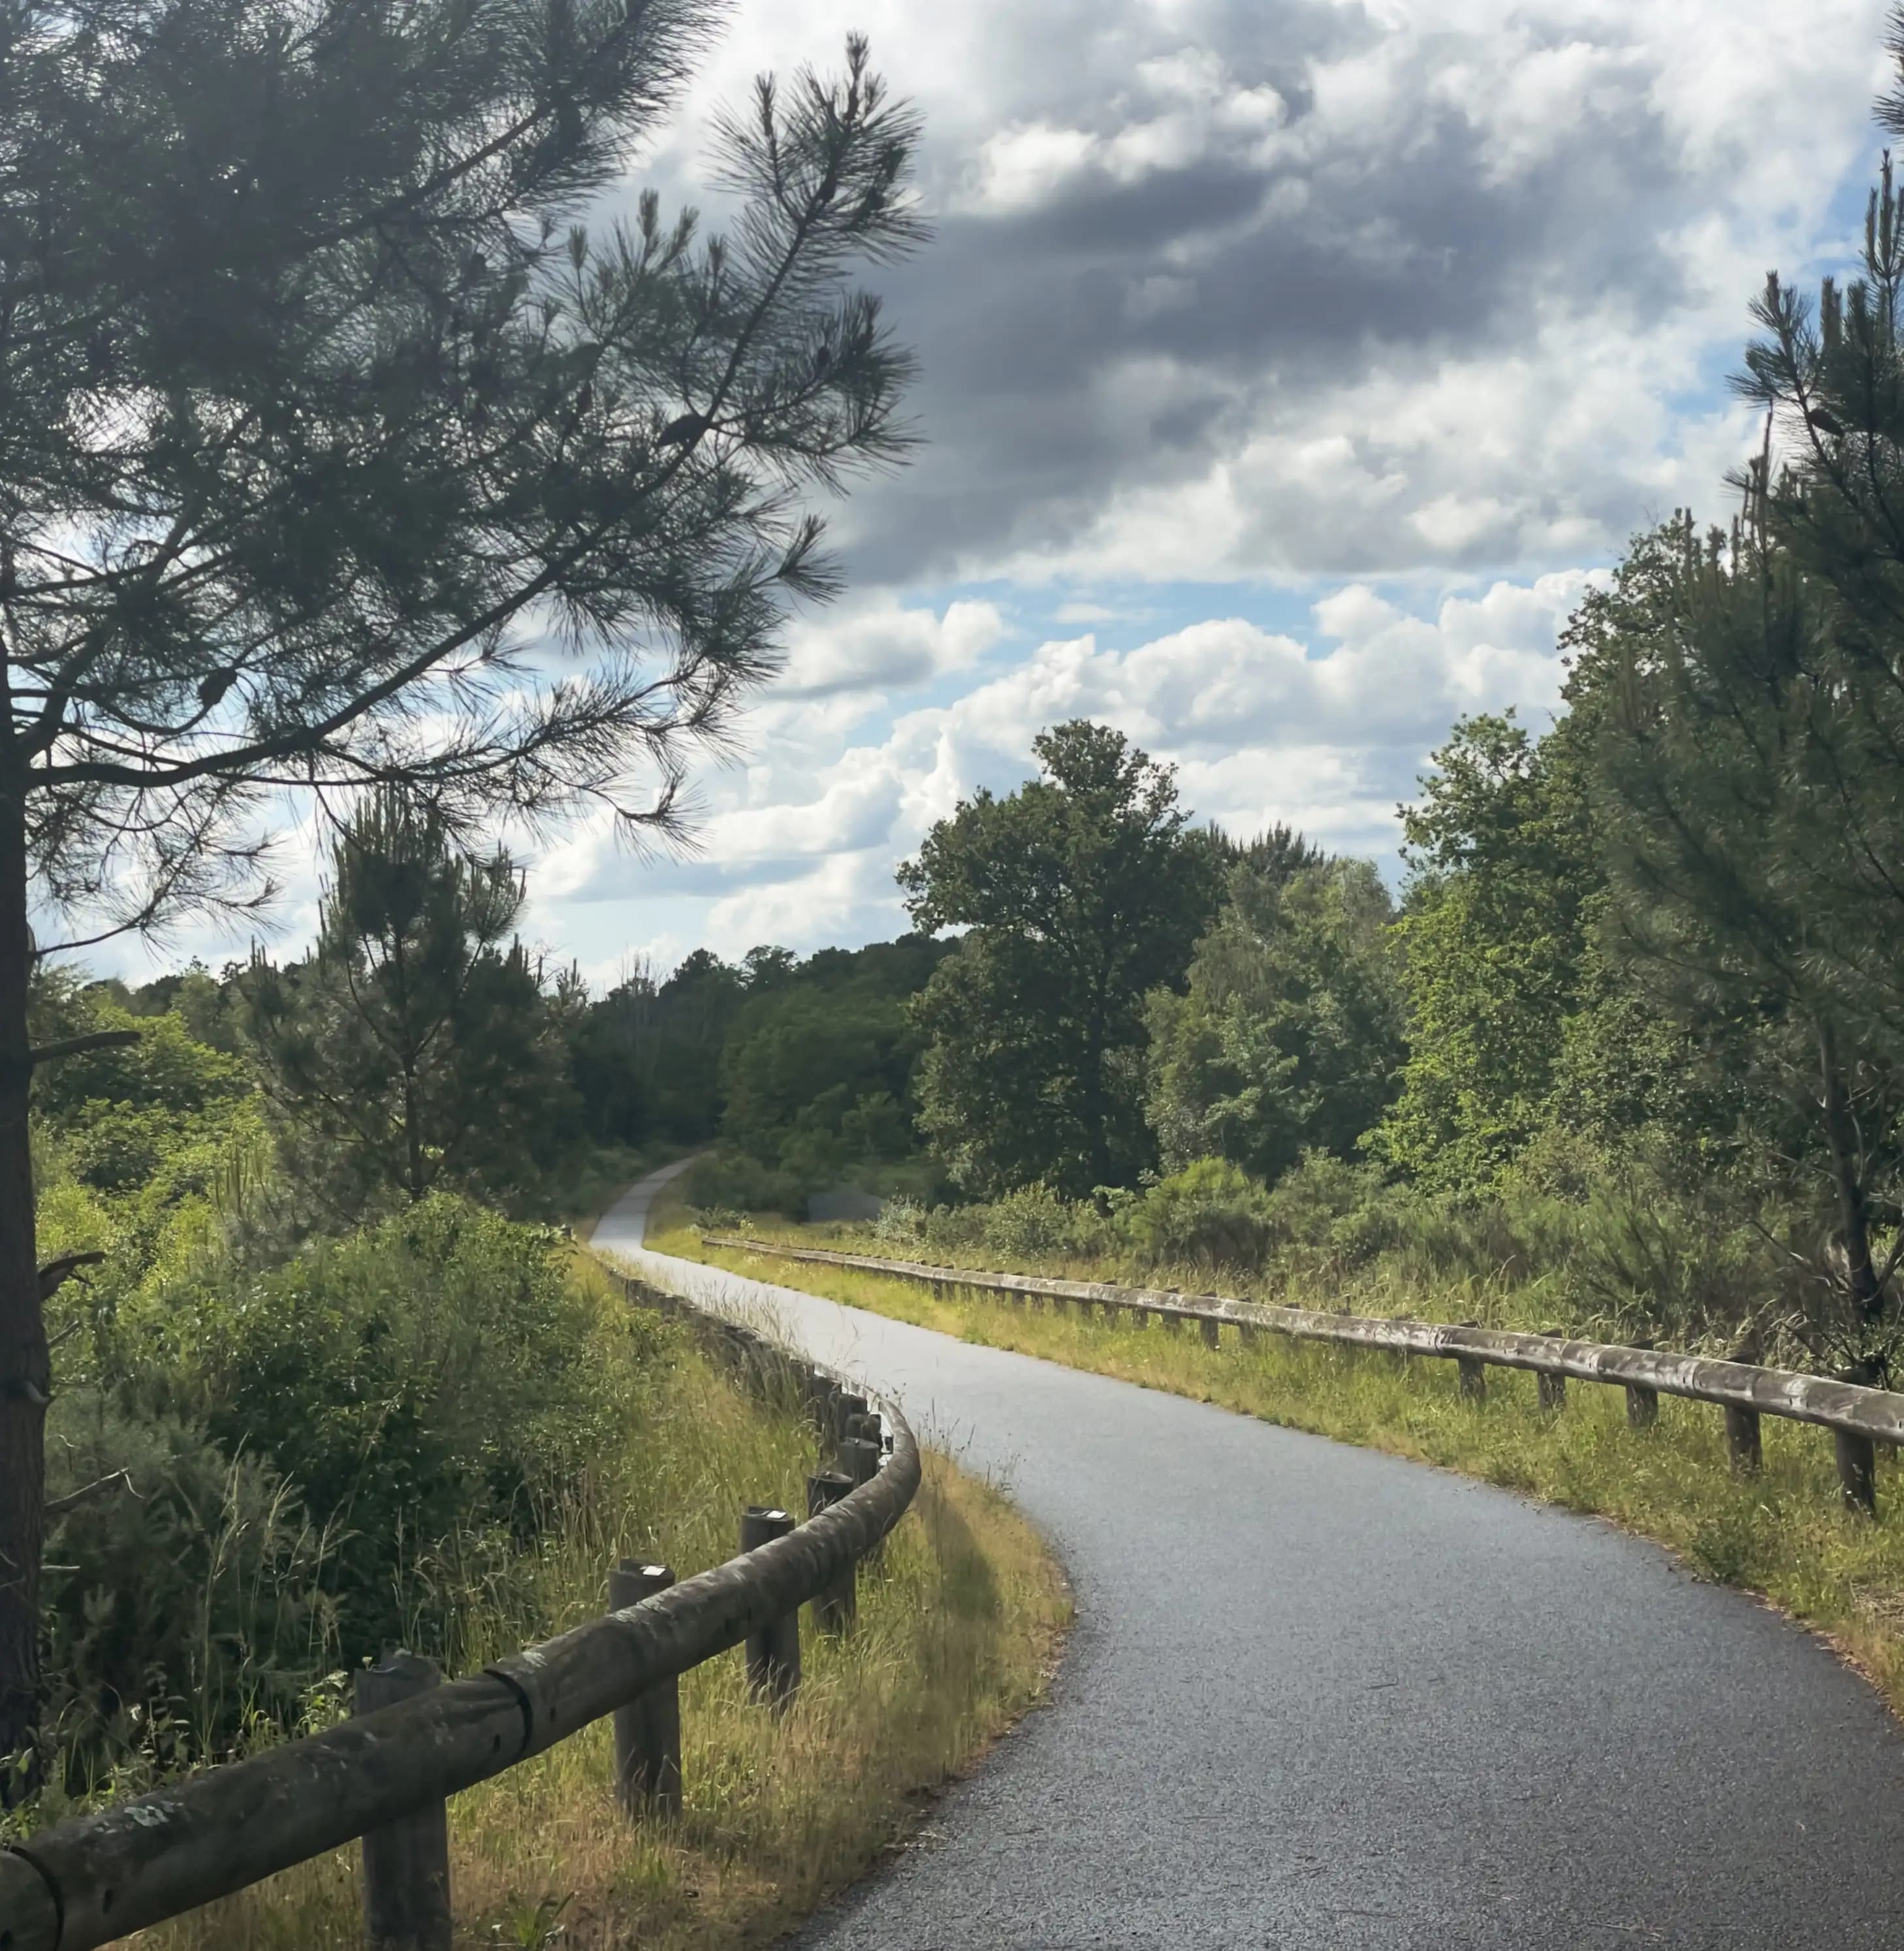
(1471, 1374)
(821, 1389)
(858, 1459)
(1742, 1439)
(1642, 1404)
(836, 1608)
(1550, 1391)
(1249, 1333)
(773, 1652)
(846, 1406)
(1857, 1471)
(647, 1731)
(869, 1426)
(1212, 1334)
(407, 1862)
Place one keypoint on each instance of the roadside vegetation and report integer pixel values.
(959, 1622)
(330, 1378)
(1624, 1052)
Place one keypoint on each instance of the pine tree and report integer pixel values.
(1730, 869)
(415, 1046)
(336, 450)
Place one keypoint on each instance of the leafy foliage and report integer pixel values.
(435, 1376)
(818, 1062)
(1210, 1214)
(339, 454)
(1493, 939)
(1081, 892)
(1288, 1034)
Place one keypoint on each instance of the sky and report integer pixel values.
(1288, 369)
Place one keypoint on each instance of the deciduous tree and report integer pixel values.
(1289, 1035)
(1081, 892)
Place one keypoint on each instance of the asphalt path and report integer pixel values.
(1319, 1696)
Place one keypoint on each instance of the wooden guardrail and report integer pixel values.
(1859, 1417)
(384, 1775)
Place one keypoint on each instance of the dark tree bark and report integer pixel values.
(25, 1366)
(1863, 1286)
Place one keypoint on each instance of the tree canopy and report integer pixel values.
(414, 1045)
(1288, 1038)
(1080, 892)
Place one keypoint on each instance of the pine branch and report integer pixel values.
(77, 1046)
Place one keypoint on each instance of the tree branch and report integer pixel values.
(54, 1274)
(77, 1046)
(59, 1506)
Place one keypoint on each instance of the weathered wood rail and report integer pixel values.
(1859, 1417)
(137, 1863)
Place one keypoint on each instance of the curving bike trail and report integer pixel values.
(1317, 1696)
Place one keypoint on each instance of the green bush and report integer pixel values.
(1347, 1212)
(1210, 1214)
(185, 1599)
(1029, 1225)
(733, 1180)
(951, 1229)
(432, 1386)
(901, 1222)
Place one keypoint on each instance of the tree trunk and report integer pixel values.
(25, 1367)
(412, 1136)
(1847, 1181)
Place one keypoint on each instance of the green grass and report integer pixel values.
(959, 1625)
(1785, 1534)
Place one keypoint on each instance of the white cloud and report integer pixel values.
(1262, 726)
(880, 645)
(1352, 295)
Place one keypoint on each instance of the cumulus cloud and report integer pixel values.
(881, 645)
(1232, 287)
(1359, 301)
(1327, 732)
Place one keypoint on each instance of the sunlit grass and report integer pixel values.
(1785, 1534)
(959, 1623)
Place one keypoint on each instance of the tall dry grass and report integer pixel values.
(959, 1624)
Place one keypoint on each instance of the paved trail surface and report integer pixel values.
(1318, 1697)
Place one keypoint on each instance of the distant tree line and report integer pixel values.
(1644, 962)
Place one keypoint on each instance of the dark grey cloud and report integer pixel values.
(1399, 241)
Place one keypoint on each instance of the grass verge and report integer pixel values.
(1784, 1535)
(960, 1621)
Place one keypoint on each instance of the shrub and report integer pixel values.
(183, 1602)
(901, 1222)
(433, 1383)
(1030, 1223)
(740, 1184)
(950, 1229)
(1210, 1214)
